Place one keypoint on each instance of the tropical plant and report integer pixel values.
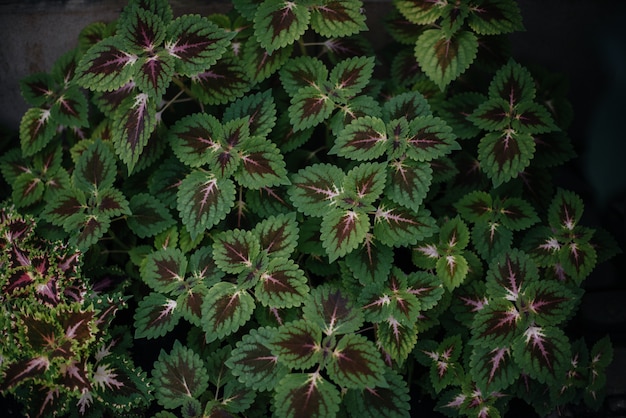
(300, 225)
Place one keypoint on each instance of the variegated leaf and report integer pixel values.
(509, 275)
(278, 23)
(398, 226)
(512, 83)
(491, 238)
(504, 154)
(498, 324)
(391, 400)
(262, 165)
(343, 231)
(351, 75)
(149, 215)
(253, 362)
(258, 108)
(430, 138)
(95, 169)
(196, 139)
(297, 344)
(306, 395)
(196, 43)
(37, 128)
(302, 72)
(543, 353)
(223, 82)
(495, 17)
(395, 338)
(164, 270)
(332, 311)
(70, 108)
(259, 63)
(364, 138)
(106, 66)
(371, 262)
(338, 18)
(204, 200)
(444, 58)
(420, 12)
(278, 235)
(315, 189)
(363, 185)
(156, 315)
(565, 210)
(282, 285)
(356, 363)
(309, 107)
(236, 251)
(225, 309)
(493, 368)
(408, 182)
(408, 105)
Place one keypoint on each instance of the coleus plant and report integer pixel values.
(299, 224)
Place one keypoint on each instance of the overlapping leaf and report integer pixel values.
(343, 231)
(225, 309)
(297, 344)
(332, 311)
(315, 189)
(306, 395)
(282, 285)
(355, 363)
(397, 226)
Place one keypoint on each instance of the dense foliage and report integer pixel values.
(301, 225)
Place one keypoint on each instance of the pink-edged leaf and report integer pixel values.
(16, 373)
(196, 139)
(306, 395)
(282, 285)
(196, 43)
(398, 226)
(343, 231)
(332, 311)
(106, 66)
(543, 353)
(298, 344)
(278, 23)
(408, 182)
(356, 363)
(364, 138)
(493, 368)
(316, 188)
(509, 275)
(224, 81)
(156, 315)
(338, 18)
(204, 200)
(135, 121)
(253, 362)
(226, 308)
(37, 128)
(262, 165)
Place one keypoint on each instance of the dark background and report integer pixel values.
(583, 41)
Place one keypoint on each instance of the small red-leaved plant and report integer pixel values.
(300, 225)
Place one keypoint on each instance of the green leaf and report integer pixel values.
(180, 375)
(258, 108)
(306, 395)
(343, 231)
(397, 226)
(278, 23)
(395, 338)
(27, 189)
(91, 228)
(491, 238)
(498, 323)
(309, 107)
(363, 185)
(371, 262)
(37, 128)
(37, 89)
(204, 200)
(196, 43)
(443, 58)
(351, 75)
(408, 182)
(533, 118)
(332, 311)
(153, 73)
(444, 368)
(297, 344)
(363, 139)
(503, 155)
(156, 315)
(314, 190)
(262, 165)
(236, 251)
(164, 270)
(578, 259)
(225, 309)
(196, 139)
(391, 400)
(149, 215)
(282, 285)
(431, 138)
(106, 66)
(338, 18)
(476, 207)
(301, 72)
(134, 122)
(278, 235)
(452, 270)
(355, 363)
(408, 105)
(95, 169)
(495, 17)
(112, 203)
(253, 363)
